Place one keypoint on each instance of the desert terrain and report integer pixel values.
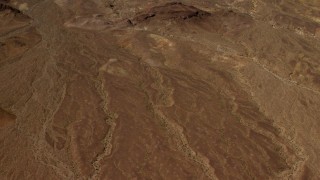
(160, 89)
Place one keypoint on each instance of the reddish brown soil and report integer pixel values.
(155, 89)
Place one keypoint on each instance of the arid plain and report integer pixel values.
(159, 89)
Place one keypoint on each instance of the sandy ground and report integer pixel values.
(156, 89)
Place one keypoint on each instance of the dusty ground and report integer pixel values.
(156, 89)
